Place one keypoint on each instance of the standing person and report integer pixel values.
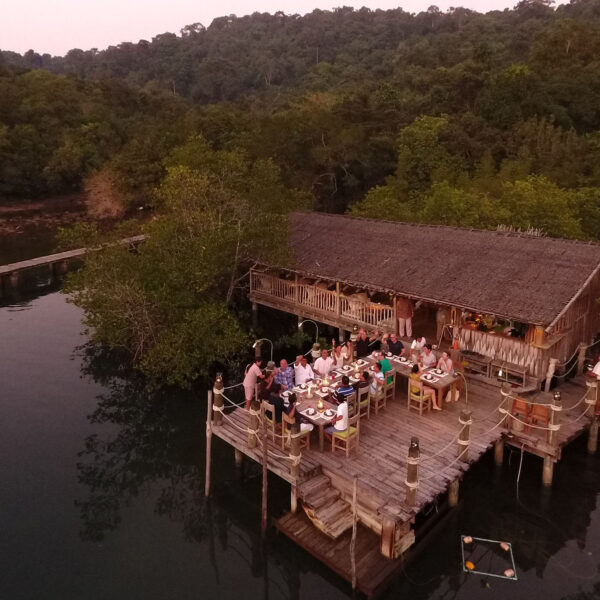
(405, 311)
(253, 373)
(324, 364)
(304, 372)
(285, 375)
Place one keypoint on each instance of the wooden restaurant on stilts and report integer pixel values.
(517, 313)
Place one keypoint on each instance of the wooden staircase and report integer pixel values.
(324, 506)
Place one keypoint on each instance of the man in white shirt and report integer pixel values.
(303, 371)
(340, 421)
(428, 358)
(324, 364)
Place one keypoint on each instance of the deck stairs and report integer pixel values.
(324, 506)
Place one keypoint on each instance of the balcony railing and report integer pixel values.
(316, 300)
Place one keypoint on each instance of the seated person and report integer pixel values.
(285, 375)
(395, 346)
(291, 413)
(303, 371)
(339, 422)
(323, 364)
(428, 358)
(268, 387)
(445, 363)
(363, 382)
(386, 367)
(377, 380)
(415, 377)
(344, 390)
(417, 345)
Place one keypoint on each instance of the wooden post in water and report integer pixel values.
(218, 400)
(253, 420)
(265, 472)
(453, 493)
(499, 452)
(295, 455)
(592, 444)
(208, 444)
(547, 471)
(464, 434)
(239, 458)
(354, 527)
(412, 471)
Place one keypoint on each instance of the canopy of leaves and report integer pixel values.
(169, 303)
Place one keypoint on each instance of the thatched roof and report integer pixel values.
(524, 278)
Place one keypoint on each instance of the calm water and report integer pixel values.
(101, 495)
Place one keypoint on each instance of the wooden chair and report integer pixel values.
(418, 400)
(520, 408)
(351, 400)
(348, 439)
(286, 426)
(389, 389)
(364, 402)
(378, 400)
(539, 413)
(272, 425)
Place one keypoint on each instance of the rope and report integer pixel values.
(232, 402)
(412, 486)
(452, 441)
(412, 461)
(230, 387)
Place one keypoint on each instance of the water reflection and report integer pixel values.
(152, 444)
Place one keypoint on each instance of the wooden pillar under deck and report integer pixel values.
(239, 458)
(499, 452)
(453, 493)
(547, 471)
(592, 444)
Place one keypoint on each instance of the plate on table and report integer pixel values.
(346, 367)
(354, 379)
(311, 412)
(428, 376)
(402, 359)
(389, 355)
(285, 394)
(329, 413)
(302, 386)
(437, 371)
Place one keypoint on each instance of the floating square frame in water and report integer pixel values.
(492, 546)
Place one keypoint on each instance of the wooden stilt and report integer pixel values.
(554, 425)
(592, 444)
(453, 493)
(547, 471)
(354, 527)
(581, 358)
(499, 452)
(208, 444)
(550, 373)
(412, 471)
(294, 499)
(239, 458)
(465, 422)
(265, 472)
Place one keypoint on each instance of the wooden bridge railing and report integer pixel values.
(293, 296)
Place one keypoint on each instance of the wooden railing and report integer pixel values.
(318, 299)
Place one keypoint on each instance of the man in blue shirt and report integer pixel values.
(344, 390)
(285, 375)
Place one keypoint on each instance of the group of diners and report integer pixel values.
(274, 381)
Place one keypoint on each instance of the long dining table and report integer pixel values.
(322, 389)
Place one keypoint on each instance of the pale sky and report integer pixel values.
(56, 26)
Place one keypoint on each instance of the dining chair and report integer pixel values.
(521, 408)
(389, 387)
(418, 399)
(378, 400)
(286, 426)
(272, 425)
(349, 438)
(364, 402)
(539, 413)
(351, 400)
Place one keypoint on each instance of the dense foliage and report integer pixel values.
(169, 303)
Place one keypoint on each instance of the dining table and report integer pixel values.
(322, 417)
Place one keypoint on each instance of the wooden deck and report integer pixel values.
(380, 467)
(373, 571)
